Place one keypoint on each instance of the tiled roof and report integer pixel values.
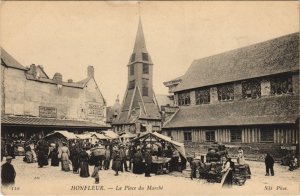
(271, 110)
(35, 121)
(271, 57)
(9, 61)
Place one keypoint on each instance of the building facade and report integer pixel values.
(139, 111)
(33, 103)
(244, 97)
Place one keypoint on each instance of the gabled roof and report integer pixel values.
(9, 61)
(264, 111)
(136, 107)
(270, 57)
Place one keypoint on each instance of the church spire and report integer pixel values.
(140, 49)
(140, 45)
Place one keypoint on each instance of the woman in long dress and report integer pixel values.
(84, 164)
(75, 159)
(54, 157)
(107, 158)
(116, 165)
(64, 155)
(138, 166)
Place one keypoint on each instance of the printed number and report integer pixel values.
(15, 188)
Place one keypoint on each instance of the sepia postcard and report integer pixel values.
(150, 98)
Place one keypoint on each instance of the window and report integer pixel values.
(236, 135)
(131, 70)
(145, 68)
(187, 136)
(251, 89)
(145, 87)
(226, 92)
(131, 84)
(210, 136)
(145, 56)
(266, 135)
(184, 98)
(132, 57)
(202, 96)
(281, 85)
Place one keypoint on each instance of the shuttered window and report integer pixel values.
(210, 136)
(187, 136)
(236, 135)
(267, 135)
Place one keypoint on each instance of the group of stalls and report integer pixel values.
(59, 137)
(162, 162)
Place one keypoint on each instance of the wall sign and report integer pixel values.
(94, 109)
(47, 112)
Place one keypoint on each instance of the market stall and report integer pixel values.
(126, 137)
(58, 137)
(167, 155)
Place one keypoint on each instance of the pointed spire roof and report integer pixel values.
(140, 46)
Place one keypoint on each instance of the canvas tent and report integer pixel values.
(112, 135)
(60, 136)
(127, 135)
(157, 136)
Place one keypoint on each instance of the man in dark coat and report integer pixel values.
(10, 147)
(8, 173)
(195, 166)
(148, 162)
(269, 162)
(123, 157)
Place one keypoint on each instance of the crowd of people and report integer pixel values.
(77, 156)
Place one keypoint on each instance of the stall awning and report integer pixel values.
(68, 135)
(110, 134)
(7, 120)
(100, 136)
(177, 145)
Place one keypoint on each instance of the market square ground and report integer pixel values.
(32, 180)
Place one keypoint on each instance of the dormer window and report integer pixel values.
(145, 56)
(281, 85)
(251, 89)
(226, 92)
(202, 96)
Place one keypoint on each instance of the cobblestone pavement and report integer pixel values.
(32, 180)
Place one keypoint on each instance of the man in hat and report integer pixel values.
(123, 158)
(8, 173)
(195, 165)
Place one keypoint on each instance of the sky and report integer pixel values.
(66, 36)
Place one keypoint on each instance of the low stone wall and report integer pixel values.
(252, 151)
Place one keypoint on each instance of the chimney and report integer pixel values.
(57, 78)
(32, 70)
(70, 80)
(90, 71)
